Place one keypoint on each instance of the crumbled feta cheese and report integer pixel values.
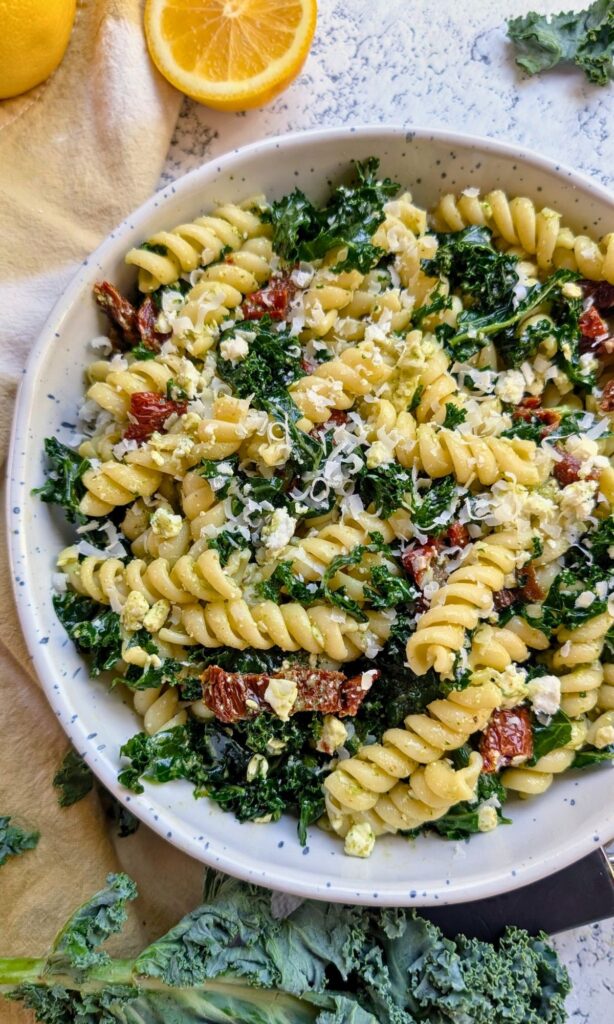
(102, 344)
(278, 531)
(281, 694)
(154, 619)
(165, 524)
(379, 454)
(257, 768)
(510, 386)
(333, 735)
(487, 818)
(134, 610)
(234, 349)
(360, 840)
(601, 732)
(367, 678)
(545, 695)
(513, 685)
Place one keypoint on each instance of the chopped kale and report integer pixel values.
(338, 596)
(454, 416)
(94, 629)
(387, 488)
(550, 735)
(584, 38)
(74, 779)
(349, 219)
(143, 352)
(473, 326)
(432, 510)
(473, 266)
(438, 302)
(387, 590)
(215, 759)
(222, 473)
(14, 839)
(533, 428)
(150, 678)
(588, 758)
(600, 540)
(226, 543)
(233, 660)
(284, 579)
(272, 363)
(64, 486)
(416, 398)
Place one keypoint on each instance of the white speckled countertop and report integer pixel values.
(440, 64)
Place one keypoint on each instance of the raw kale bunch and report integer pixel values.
(231, 960)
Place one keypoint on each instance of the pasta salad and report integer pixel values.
(342, 497)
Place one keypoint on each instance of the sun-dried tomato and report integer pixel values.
(458, 535)
(591, 325)
(308, 366)
(505, 598)
(567, 468)
(336, 419)
(530, 411)
(529, 589)
(236, 696)
(602, 294)
(149, 412)
(120, 312)
(272, 301)
(606, 402)
(146, 318)
(508, 737)
(417, 560)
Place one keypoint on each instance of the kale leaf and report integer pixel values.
(14, 839)
(550, 735)
(226, 543)
(585, 38)
(64, 486)
(349, 219)
(284, 579)
(215, 758)
(474, 326)
(473, 266)
(321, 964)
(454, 416)
(387, 590)
(438, 302)
(92, 627)
(387, 487)
(74, 779)
(587, 758)
(222, 473)
(433, 509)
(272, 363)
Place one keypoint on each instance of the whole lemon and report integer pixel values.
(34, 35)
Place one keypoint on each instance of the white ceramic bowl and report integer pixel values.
(570, 820)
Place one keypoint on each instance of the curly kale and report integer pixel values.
(231, 959)
(14, 839)
(584, 38)
(64, 484)
(302, 231)
(94, 629)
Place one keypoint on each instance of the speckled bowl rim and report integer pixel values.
(310, 882)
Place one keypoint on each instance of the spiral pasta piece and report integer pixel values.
(112, 483)
(160, 709)
(389, 308)
(536, 232)
(357, 783)
(311, 556)
(223, 286)
(94, 576)
(338, 383)
(605, 697)
(422, 374)
(468, 457)
(430, 792)
(197, 575)
(577, 663)
(189, 246)
(497, 647)
(113, 392)
(319, 629)
(459, 604)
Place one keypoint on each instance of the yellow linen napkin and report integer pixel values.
(76, 155)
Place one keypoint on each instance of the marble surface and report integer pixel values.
(437, 64)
